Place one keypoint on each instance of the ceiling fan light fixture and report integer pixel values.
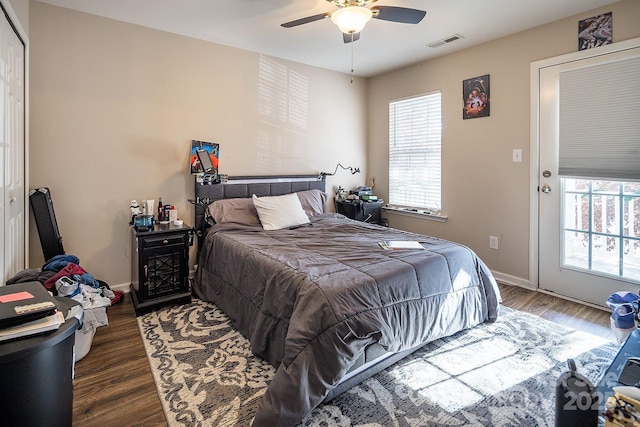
(351, 19)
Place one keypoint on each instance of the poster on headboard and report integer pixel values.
(195, 164)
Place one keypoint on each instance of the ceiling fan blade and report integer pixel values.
(403, 15)
(305, 20)
(347, 37)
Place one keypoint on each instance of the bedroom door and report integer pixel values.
(12, 150)
(588, 226)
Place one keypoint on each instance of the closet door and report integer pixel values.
(12, 143)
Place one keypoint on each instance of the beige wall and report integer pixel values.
(114, 108)
(21, 9)
(483, 192)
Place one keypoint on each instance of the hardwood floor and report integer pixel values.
(113, 383)
(578, 316)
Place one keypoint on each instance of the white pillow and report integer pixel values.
(278, 212)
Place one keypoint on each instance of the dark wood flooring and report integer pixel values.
(113, 383)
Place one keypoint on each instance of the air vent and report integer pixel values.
(446, 40)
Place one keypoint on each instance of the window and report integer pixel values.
(601, 222)
(598, 165)
(415, 128)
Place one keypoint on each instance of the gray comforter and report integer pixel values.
(311, 299)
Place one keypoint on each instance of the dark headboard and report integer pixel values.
(246, 186)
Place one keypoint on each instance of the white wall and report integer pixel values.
(483, 192)
(114, 108)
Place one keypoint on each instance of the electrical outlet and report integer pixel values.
(493, 242)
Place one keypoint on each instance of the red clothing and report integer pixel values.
(68, 271)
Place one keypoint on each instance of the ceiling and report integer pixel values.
(254, 25)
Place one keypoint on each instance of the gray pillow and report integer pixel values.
(312, 201)
(240, 211)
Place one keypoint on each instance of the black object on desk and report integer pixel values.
(630, 349)
(160, 266)
(37, 377)
(359, 210)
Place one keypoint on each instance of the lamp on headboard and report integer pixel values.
(349, 168)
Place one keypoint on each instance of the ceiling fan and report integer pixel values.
(353, 15)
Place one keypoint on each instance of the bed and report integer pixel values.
(322, 301)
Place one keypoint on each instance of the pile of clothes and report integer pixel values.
(63, 276)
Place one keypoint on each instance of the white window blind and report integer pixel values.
(600, 121)
(415, 127)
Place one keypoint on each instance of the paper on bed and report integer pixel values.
(400, 244)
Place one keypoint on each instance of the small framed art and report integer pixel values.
(595, 31)
(475, 97)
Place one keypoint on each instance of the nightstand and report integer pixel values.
(370, 212)
(160, 266)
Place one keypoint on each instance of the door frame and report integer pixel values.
(12, 17)
(534, 167)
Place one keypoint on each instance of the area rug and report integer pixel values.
(497, 374)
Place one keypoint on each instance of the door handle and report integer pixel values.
(546, 189)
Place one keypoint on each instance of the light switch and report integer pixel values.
(517, 155)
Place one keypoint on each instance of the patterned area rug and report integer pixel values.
(497, 374)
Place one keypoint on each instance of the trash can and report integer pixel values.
(83, 338)
(37, 377)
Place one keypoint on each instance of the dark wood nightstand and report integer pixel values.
(359, 210)
(160, 266)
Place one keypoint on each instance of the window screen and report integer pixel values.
(415, 127)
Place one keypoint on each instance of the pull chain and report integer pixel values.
(351, 81)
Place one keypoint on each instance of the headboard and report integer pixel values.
(246, 186)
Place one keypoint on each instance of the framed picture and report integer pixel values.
(595, 31)
(475, 97)
(200, 149)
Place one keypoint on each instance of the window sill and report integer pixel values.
(417, 214)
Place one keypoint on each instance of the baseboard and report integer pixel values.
(124, 287)
(524, 283)
(589, 304)
(508, 279)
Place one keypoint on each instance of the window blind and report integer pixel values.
(599, 134)
(415, 127)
